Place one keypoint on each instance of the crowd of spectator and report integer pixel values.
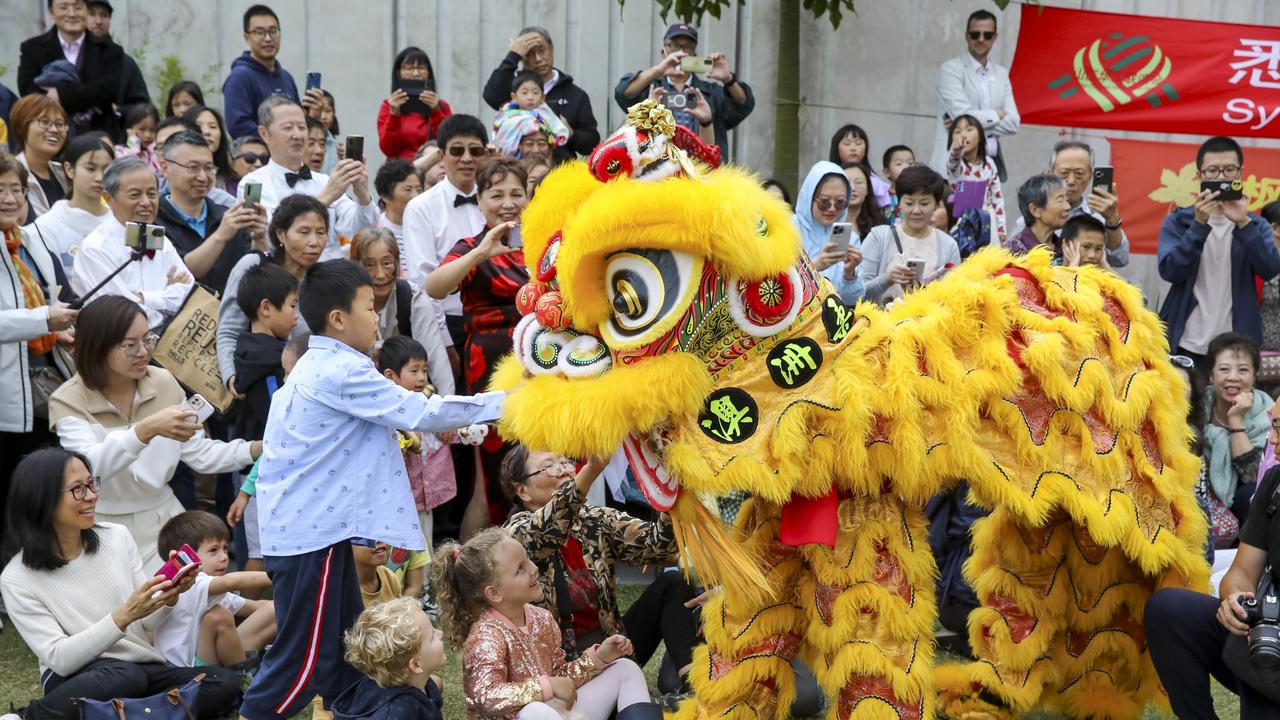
(320, 261)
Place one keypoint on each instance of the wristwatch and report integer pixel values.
(1116, 226)
(733, 80)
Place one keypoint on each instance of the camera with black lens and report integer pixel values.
(680, 100)
(1262, 614)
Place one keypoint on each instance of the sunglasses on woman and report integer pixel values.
(824, 204)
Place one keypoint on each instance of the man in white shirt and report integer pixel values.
(159, 281)
(971, 84)
(448, 212)
(283, 127)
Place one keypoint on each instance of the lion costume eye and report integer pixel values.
(649, 290)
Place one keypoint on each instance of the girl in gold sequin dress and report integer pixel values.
(512, 660)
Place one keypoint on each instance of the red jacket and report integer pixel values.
(400, 136)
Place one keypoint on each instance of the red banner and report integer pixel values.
(1077, 68)
(1155, 178)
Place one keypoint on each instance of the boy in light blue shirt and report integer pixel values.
(332, 470)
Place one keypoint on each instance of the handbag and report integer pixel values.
(1224, 525)
(44, 380)
(176, 704)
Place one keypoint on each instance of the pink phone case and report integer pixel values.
(179, 565)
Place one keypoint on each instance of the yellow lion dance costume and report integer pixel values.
(673, 314)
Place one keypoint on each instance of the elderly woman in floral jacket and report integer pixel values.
(575, 545)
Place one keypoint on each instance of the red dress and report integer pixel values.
(400, 136)
(489, 317)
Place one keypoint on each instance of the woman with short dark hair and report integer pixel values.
(488, 272)
(130, 419)
(297, 225)
(84, 600)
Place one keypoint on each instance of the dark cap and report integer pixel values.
(680, 29)
(103, 3)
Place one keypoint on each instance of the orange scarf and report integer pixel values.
(32, 293)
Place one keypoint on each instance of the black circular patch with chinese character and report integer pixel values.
(729, 416)
(794, 362)
(837, 318)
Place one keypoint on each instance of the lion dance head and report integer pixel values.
(655, 276)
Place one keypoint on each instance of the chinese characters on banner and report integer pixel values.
(1157, 177)
(1077, 68)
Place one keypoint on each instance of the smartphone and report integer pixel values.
(155, 237)
(695, 64)
(133, 235)
(252, 194)
(414, 88)
(1103, 178)
(198, 405)
(841, 233)
(1226, 189)
(141, 236)
(183, 562)
(916, 266)
(313, 81)
(514, 240)
(355, 148)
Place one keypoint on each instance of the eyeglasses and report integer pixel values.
(363, 542)
(558, 468)
(824, 204)
(1225, 171)
(195, 168)
(1182, 361)
(413, 70)
(133, 348)
(253, 158)
(47, 124)
(80, 490)
(473, 151)
(263, 33)
(982, 34)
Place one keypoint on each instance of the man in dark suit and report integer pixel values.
(98, 62)
(133, 87)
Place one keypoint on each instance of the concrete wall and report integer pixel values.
(878, 70)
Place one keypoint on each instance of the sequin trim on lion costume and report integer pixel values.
(673, 314)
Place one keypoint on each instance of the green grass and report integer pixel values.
(19, 682)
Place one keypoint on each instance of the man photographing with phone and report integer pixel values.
(696, 103)
(1210, 252)
(283, 126)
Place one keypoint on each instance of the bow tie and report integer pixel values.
(151, 254)
(304, 173)
(460, 200)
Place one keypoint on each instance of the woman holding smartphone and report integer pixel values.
(404, 122)
(488, 270)
(910, 252)
(822, 211)
(83, 599)
(131, 419)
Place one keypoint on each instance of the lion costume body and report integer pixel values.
(673, 314)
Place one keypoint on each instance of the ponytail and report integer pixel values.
(459, 574)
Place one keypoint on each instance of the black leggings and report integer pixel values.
(106, 679)
(663, 600)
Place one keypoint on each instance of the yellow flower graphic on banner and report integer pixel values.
(1179, 188)
(1182, 187)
